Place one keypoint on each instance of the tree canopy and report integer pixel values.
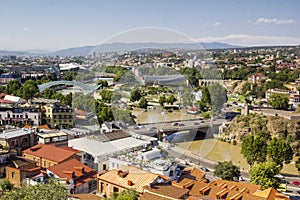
(227, 171)
(254, 149)
(264, 174)
(279, 101)
(52, 190)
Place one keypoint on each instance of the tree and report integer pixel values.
(143, 103)
(218, 97)
(264, 174)
(12, 87)
(254, 149)
(126, 195)
(162, 100)
(297, 164)
(106, 95)
(171, 99)
(29, 89)
(205, 98)
(52, 190)
(227, 171)
(135, 95)
(5, 185)
(279, 101)
(102, 83)
(280, 151)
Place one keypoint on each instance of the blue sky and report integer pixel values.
(58, 24)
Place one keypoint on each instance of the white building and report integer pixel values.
(151, 160)
(97, 152)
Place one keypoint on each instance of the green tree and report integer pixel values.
(227, 171)
(297, 164)
(29, 90)
(218, 97)
(106, 95)
(205, 96)
(254, 149)
(279, 101)
(264, 174)
(102, 83)
(162, 100)
(12, 87)
(143, 103)
(280, 151)
(67, 100)
(126, 195)
(135, 95)
(171, 99)
(52, 190)
(5, 185)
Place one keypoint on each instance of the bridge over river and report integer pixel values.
(194, 126)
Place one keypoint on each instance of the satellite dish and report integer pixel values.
(71, 181)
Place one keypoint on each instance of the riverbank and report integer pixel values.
(222, 151)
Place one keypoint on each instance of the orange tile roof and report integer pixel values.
(27, 126)
(193, 173)
(81, 112)
(138, 177)
(86, 196)
(251, 187)
(195, 190)
(72, 165)
(270, 193)
(184, 183)
(148, 196)
(49, 152)
(45, 126)
(167, 191)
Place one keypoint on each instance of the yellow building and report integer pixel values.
(58, 116)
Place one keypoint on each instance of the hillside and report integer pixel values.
(254, 123)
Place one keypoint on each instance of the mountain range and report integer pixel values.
(114, 47)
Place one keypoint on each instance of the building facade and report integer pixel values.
(56, 116)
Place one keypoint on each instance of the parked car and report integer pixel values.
(279, 176)
(204, 169)
(297, 183)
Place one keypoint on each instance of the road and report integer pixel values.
(193, 159)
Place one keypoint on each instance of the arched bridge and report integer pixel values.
(85, 88)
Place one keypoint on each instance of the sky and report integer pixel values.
(58, 24)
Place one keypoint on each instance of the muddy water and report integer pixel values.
(223, 151)
(153, 116)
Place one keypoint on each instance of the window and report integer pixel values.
(12, 174)
(45, 163)
(102, 190)
(104, 167)
(115, 189)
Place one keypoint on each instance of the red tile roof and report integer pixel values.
(75, 170)
(50, 152)
(45, 126)
(65, 168)
(81, 112)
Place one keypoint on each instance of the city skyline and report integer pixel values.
(55, 25)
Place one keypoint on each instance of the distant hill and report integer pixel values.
(114, 47)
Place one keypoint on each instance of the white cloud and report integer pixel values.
(273, 21)
(252, 40)
(217, 24)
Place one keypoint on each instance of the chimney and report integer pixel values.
(119, 171)
(79, 169)
(130, 183)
